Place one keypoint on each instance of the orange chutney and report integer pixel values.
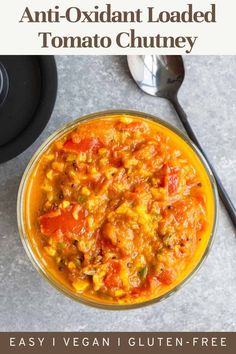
(119, 209)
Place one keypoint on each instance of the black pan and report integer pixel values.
(28, 89)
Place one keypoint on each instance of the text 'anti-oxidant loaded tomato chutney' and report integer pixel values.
(119, 209)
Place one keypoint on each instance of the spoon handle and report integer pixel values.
(222, 191)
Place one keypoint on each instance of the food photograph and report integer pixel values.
(118, 195)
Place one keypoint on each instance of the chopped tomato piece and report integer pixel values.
(136, 291)
(112, 280)
(201, 199)
(166, 277)
(172, 180)
(63, 221)
(84, 145)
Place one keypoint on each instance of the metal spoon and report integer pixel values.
(162, 76)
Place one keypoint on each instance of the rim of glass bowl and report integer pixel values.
(20, 209)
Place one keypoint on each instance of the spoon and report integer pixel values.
(162, 76)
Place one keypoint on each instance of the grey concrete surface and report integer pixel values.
(207, 302)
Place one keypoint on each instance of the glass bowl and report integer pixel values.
(22, 215)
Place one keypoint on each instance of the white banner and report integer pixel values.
(117, 27)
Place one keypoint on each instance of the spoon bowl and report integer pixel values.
(159, 76)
